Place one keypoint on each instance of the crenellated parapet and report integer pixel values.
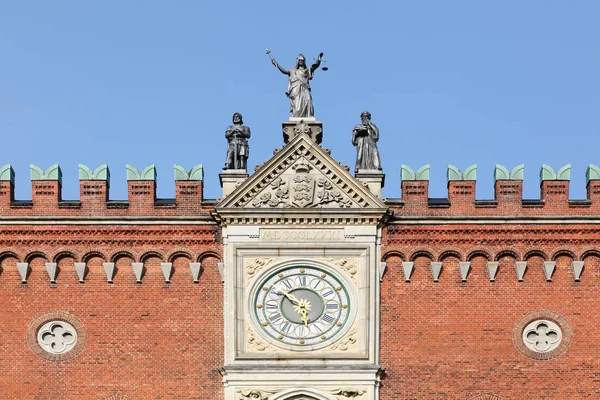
(7, 186)
(461, 185)
(508, 186)
(141, 199)
(94, 197)
(592, 175)
(99, 174)
(508, 193)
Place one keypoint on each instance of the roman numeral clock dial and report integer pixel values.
(302, 307)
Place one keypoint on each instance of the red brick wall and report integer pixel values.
(454, 340)
(148, 340)
(438, 340)
(94, 195)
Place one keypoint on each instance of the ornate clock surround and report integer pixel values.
(349, 263)
(336, 316)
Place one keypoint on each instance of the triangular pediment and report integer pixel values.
(302, 176)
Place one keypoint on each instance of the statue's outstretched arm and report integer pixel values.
(317, 63)
(276, 64)
(279, 67)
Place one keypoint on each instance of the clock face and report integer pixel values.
(302, 306)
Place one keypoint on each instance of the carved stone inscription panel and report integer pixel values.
(302, 235)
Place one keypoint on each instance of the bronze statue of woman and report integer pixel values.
(298, 91)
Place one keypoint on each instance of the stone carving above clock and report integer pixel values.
(254, 265)
(348, 265)
(301, 186)
(301, 175)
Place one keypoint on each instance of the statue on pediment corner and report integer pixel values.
(365, 137)
(237, 136)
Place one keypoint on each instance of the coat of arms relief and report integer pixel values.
(301, 187)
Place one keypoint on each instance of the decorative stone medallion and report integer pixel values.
(542, 335)
(56, 336)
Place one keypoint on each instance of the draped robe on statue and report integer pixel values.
(298, 92)
(365, 138)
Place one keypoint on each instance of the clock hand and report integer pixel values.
(291, 297)
(302, 309)
(304, 315)
(300, 305)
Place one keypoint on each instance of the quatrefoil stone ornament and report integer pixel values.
(57, 337)
(542, 336)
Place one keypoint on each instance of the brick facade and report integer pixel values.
(449, 339)
(144, 340)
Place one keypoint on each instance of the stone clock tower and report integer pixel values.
(302, 277)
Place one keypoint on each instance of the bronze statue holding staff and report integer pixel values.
(298, 91)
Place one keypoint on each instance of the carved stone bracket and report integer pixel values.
(255, 343)
(255, 394)
(346, 343)
(348, 265)
(253, 265)
(348, 393)
(308, 126)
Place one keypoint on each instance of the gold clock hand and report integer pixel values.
(304, 315)
(291, 297)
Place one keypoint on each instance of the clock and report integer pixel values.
(302, 307)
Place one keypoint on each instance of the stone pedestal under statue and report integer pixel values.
(231, 178)
(308, 125)
(373, 178)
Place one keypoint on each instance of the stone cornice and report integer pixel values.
(491, 220)
(58, 220)
(301, 216)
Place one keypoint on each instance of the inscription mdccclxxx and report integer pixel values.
(306, 235)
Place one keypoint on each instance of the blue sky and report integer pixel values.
(447, 82)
